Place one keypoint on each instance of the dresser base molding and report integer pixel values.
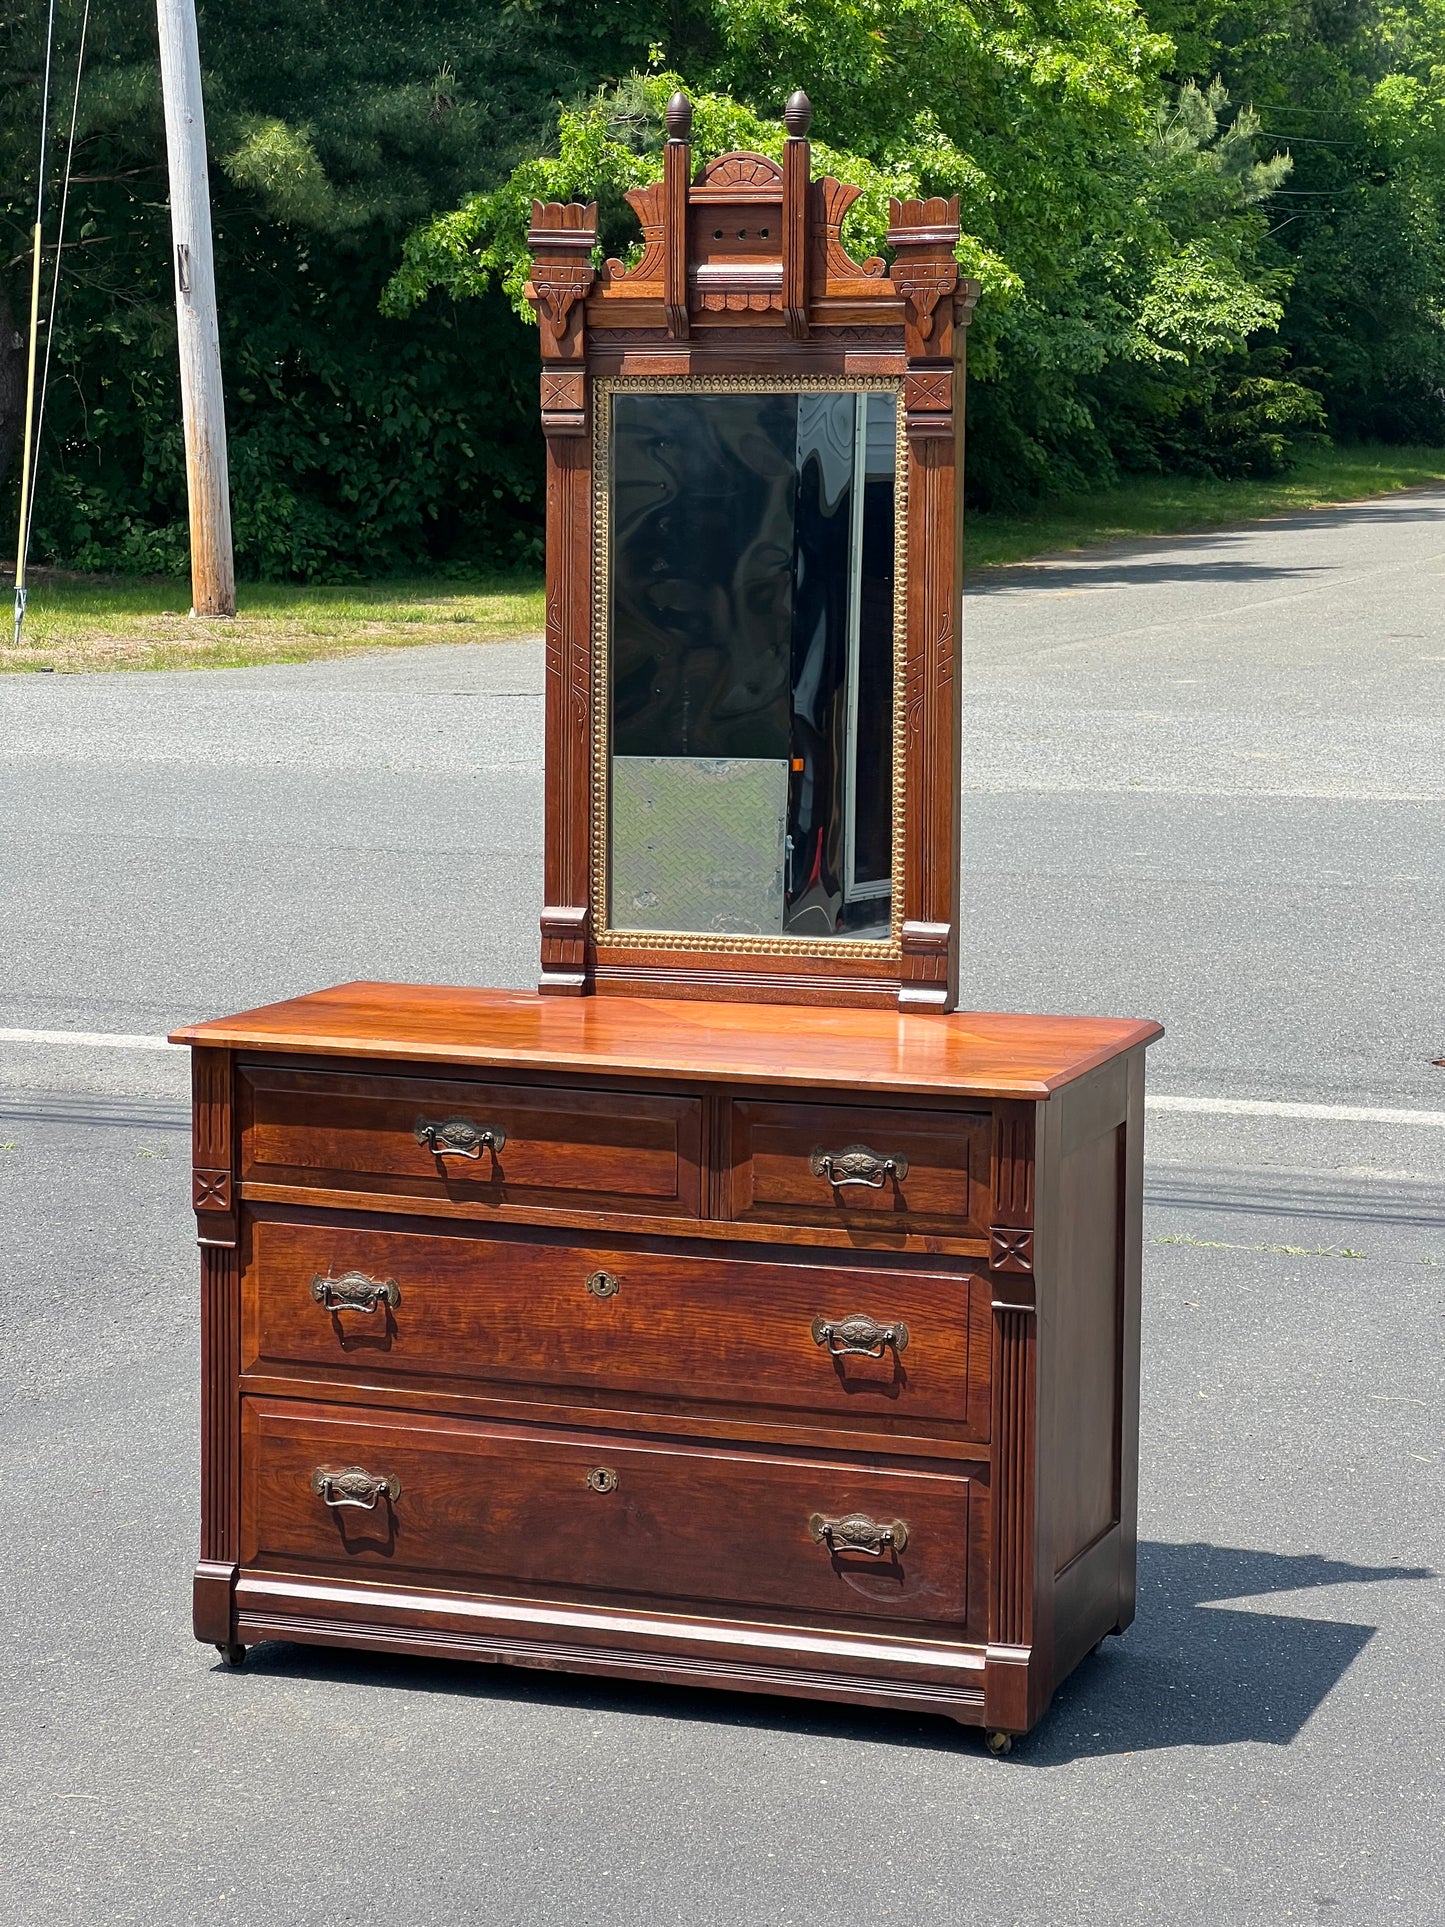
(921, 1675)
(212, 1601)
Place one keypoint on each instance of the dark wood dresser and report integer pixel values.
(788, 1351)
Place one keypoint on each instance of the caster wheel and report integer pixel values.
(998, 1743)
(231, 1655)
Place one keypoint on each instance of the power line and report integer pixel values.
(20, 557)
(55, 277)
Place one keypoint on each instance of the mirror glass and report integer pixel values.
(751, 632)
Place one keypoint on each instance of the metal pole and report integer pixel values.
(213, 573)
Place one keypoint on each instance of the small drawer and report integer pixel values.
(534, 1311)
(466, 1505)
(859, 1166)
(500, 1144)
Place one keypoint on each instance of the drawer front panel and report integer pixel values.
(844, 1340)
(337, 1489)
(825, 1164)
(505, 1144)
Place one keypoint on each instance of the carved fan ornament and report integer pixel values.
(741, 170)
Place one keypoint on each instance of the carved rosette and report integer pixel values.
(1010, 1249)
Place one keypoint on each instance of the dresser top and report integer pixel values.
(968, 1054)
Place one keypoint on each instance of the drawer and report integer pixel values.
(502, 1144)
(857, 1165)
(535, 1310)
(477, 1507)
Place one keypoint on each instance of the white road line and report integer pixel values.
(1197, 1106)
(89, 1039)
(1264, 1107)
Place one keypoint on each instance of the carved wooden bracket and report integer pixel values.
(926, 966)
(213, 1189)
(923, 235)
(562, 237)
(565, 931)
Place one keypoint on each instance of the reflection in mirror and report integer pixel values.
(752, 630)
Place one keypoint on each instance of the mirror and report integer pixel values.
(752, 537)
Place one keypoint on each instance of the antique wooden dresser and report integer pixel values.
(732, 1310)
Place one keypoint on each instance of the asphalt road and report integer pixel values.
(1205, 781)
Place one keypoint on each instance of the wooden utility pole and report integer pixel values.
(213, 570)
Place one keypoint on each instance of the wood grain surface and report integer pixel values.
(771, 1151)
(508, 1508)
(674, 1323)
(964, 1055)
(340, 1130)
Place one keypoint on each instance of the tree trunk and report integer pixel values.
(12, 383)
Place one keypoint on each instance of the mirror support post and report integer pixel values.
(923, 235)
(562, 238)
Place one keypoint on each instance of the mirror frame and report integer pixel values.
(604, 388)
(785, 311)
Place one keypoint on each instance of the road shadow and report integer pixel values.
(1142, 559)
(1188, 1673)
(1057, 578)
(1192, 1672)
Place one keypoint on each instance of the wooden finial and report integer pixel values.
(798, 115)
(679, 117)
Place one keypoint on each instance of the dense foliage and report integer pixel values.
(1207, 230)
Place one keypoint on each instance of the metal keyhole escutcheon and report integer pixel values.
(602, 1479)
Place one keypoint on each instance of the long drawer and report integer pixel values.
(480, 1507)
(872, 1169)
(676, 1323)
(463, 1139)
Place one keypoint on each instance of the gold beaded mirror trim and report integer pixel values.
(702, 942)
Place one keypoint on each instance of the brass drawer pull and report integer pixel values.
(859, 1336)
(857, 1165)
(354, 1291)
(856, 1532)
(353, 1485)
(604, 1284)
(456, 1137)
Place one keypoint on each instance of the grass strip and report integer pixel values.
(80, 623)
(1175, 504)
(88, 623)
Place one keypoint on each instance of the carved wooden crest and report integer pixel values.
(742, 276)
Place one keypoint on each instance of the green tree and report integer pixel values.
(357, 443)
(1118, 239)
(1355, 90)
